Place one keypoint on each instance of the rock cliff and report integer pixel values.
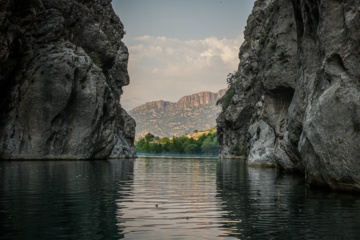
(62, 67)
(295, 102)
(167, 119)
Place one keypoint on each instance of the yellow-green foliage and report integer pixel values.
(206, 144)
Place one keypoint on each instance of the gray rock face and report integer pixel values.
(330, 141)
(266, 75)
(63, 66)
(261, 145)
(304, 61)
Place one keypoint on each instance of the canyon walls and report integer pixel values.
(295, 103)
(63, 67)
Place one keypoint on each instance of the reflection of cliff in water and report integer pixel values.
(61, 199)
(281, 207)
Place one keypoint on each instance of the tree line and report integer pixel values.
(206, 144)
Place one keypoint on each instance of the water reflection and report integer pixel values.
(152, 198)
(61, 199)
(171, 199)
(275, 206)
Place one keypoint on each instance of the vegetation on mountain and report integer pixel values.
(198, 133)
(206, 144)
(167, 119)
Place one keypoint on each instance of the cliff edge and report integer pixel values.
(294, 102)
(166, 119)
(63, 67)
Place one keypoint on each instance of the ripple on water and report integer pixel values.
(167, 199)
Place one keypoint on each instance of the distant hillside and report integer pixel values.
(166, 119)
(197, 134)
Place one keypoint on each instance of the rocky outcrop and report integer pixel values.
(266, 72)
(298, 75)
(329, 93)
(200, 98)
(166, 119)
(63, 66)
(261, 145)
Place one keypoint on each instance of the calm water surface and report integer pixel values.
(160, 198)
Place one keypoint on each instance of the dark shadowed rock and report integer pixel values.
(63, 66)
(329, 74)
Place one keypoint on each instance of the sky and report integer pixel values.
(180, 47)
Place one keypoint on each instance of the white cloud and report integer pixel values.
(167, 69)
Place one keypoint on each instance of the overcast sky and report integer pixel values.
(180, 47)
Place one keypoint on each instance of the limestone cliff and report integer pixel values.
(296, 99)
(62, 67)
(166, 119)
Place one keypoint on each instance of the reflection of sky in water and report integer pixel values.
(195, 198)
(225, 199)
(170, 199)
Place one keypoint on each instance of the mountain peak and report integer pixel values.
(197, 99)
(163, 118)
(155, 104)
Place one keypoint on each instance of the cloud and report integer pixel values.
(166, 68)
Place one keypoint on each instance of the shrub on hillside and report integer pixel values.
(233, 81)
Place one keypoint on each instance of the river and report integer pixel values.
(167, 198)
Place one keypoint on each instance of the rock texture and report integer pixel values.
(299, 76)
(62, 66)
(266, 74)
(261, 145)
(166, 119)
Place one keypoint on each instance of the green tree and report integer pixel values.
(206, 144)
(210, 145)
(166, 148)
(139, 145)
(184, 141)
(191, 149)
(201, 139)
(233, 81)
(149, 137)
(146, 147)
(165, 140)
(175, 145)
(155, 148)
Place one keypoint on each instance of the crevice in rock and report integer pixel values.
(336, 62)
(298, 19)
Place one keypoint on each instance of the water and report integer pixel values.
(160, 198)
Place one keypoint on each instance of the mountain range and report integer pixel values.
(166, 119)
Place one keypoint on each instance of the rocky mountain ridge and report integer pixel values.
(167, 119)
(193, 100)
(295, 104)
(62, 68)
